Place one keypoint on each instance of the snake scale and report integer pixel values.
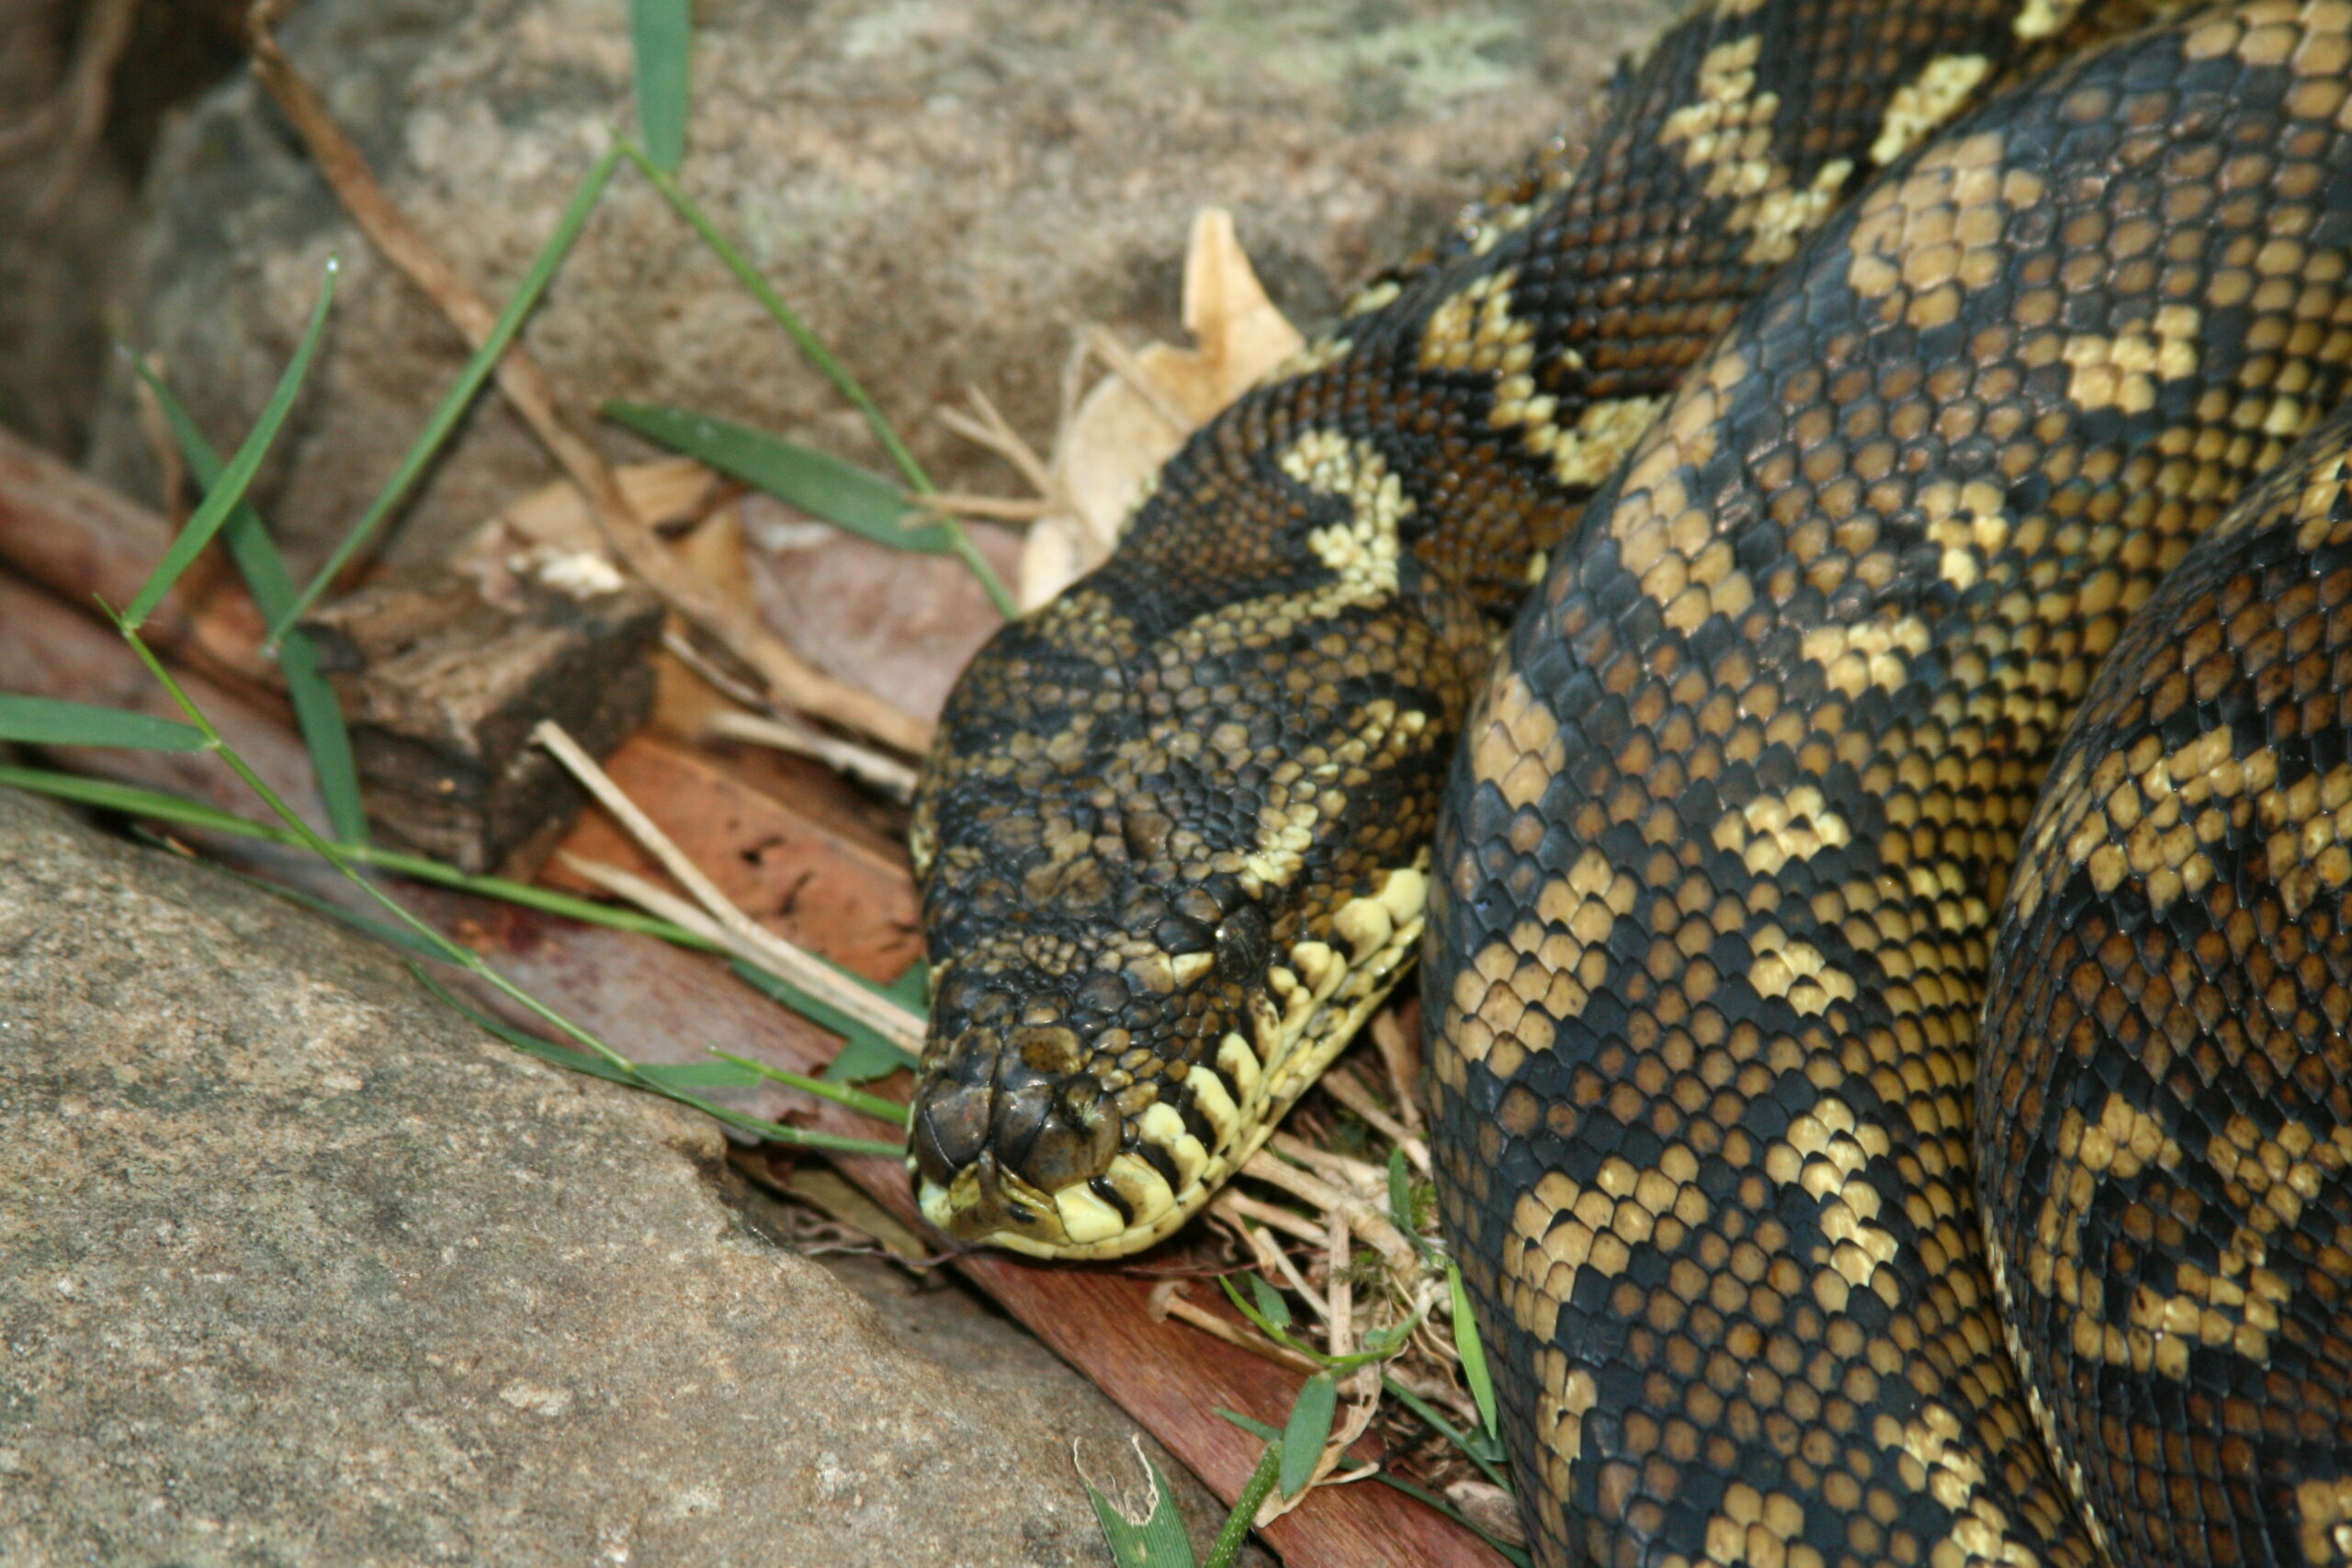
(1773, 1271)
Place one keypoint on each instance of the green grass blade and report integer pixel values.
(698, 1074)
(817, 483)
(959, 538)
(661, 33)
(316, 712)
(104, 795)
(1250, 1424)
(131, 801)
(1474, 1353)
(661, 1080)
(865, 1055)
(912, 990)
(872, 1105)
(1309, 1430)
(1270, 1302)
(460, 396)
(45, 721)
(876, 1056)
(222, 497)
(1157, 1540)
(1245, 1509)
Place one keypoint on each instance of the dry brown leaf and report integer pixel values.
(1120, 432)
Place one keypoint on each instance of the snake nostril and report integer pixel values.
(1181, 934)
(949, 1127)
(1048, 1049)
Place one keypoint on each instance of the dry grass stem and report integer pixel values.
(1274, 1260)
(1368, 1225)
(997, 508)
(1340, 1312)
(793, 679)
(886, 773)
(1239, 1335)
(1344, 1086)
(1366, 1180)
(1400, 1056)
(1121, 362)
(1234, 1206)
(647, 896)
(991, 429)
(722, 680)
(80, 107)
(744, 937)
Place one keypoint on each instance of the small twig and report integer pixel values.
(993, 430)
(1401, 1056)
(656, 901)
(1366, 1222)
(710, 669)
(1128, 368)
(744, 938)
(1240, 1336)
(89, 87)
(1236, 1206)
(1341, 1311)
(1366, 1181)
(1342, 1084)
(170, 464)
(1002, 509)
(1273, 1258)
(887, 774)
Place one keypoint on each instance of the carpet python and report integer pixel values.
(1726, 827)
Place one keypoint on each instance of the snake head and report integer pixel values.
(1085, 1090)
(1152, 922)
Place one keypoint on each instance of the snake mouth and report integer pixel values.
(1008, 1154)
(1016, 1140)
(1126, 1209)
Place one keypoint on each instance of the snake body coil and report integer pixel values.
(1713, 893)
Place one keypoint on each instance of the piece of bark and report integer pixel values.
(442, 688)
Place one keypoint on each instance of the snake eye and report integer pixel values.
(1243, 945)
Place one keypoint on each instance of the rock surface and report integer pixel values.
(297, 1267)
(941, 187)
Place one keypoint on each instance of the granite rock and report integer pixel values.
(297, 1266)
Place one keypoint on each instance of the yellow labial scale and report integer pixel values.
(1145, 1192)
(1210, 1098)
(1163, 1127)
